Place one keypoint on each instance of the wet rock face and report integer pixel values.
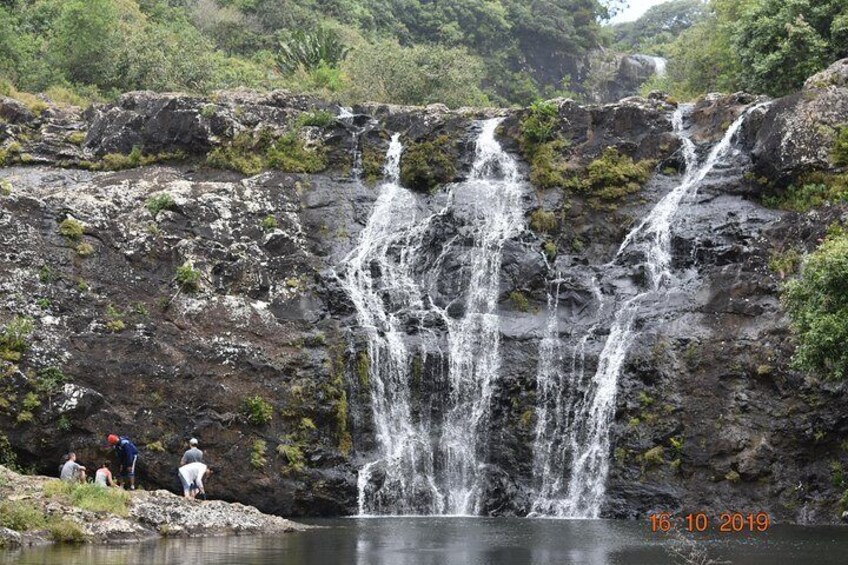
(613, 76)
(144, 352)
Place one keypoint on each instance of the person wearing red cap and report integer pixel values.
(127, 456)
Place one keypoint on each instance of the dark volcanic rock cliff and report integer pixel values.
(194, 297)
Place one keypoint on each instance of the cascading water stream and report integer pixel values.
(572, 475)
(426, 466)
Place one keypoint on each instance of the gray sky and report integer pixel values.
(636, 9)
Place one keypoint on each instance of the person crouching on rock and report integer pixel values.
(191, 475)
(103, 476)
(127, 457)
(72, 471)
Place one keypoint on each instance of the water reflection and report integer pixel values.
(472, 541)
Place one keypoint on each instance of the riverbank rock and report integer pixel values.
(144, 515)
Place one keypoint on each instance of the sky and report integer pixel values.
(636, 9)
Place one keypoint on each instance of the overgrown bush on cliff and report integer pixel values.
(817, 303)
(257, 410)
(13, 338)
(612, 176)
(426, 165)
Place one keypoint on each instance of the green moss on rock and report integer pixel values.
(425, 166)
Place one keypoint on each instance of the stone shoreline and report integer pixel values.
(149, 515)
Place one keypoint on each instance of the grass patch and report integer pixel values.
(14, 338)
(76, 138)
(269, 223)
(295, 459)
(611, 177)
(319, 118)
(21, 516)
(89, 496)
(85, 249)
(654, 456)
(290, 154)
(66, 531)
(812, 191)
(784, 263)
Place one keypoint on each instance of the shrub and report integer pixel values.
(257, 410)
(540, 124)
(269, 223)
(784, 262)
(654, 456)
(519, 301)
(546, 167)
(612, 176)
(542, 221)
(732, 476)
(85, 249)
(159, 202)
(71, 228)
(5, 185)
(30, 401)
(817, 304)
(426, 165)
(550, 249)
(257, 454)
(156, 446)
(290, 154)
(187, 277)
(14, 336)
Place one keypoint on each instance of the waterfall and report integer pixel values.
(659, 66)
(426, 466)
(572, 472)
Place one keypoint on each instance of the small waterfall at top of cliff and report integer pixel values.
(431, 448)
(576, 410)
(660, 64)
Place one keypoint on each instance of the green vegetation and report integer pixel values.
(611, 177)
(415, 51)
(21, 516)
(817, 304)
(258, 453)
(71, 228)
(540, 124)
(550, 249)
(187, 277)
(363, 368)
(269, 223)
(5, 185)
(426, 165)
(768, 46)
(114, 319)
(13, 338)
(85, 249)
(296, 461)
(89, 497)
(156, 446)
(77, 138)
(65, 531)
(319, 119)
(519, 301)
(785, 262)
(813, 190)
(654, 456)
(256, 410)
(290, 154)
(542, 221)
(159, 202)
(732, 477)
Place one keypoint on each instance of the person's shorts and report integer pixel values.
(129, 471)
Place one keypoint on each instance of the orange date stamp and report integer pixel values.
(728, 522)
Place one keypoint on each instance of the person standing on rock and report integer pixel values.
(127, 457)
(72, 471)
(191, 476)
(192, 454)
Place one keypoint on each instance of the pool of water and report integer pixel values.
(473, 541)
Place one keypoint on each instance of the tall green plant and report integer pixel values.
(308, 49)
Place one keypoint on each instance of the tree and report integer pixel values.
(782, 42)
(85, 41)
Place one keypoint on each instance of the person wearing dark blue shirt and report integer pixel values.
(127, 457)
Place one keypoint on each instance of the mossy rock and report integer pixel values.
(427, 165)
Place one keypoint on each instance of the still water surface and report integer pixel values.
(473, 541)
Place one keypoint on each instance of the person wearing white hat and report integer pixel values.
(192, 454)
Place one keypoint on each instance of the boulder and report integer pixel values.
(14, 112)
(835, 75)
